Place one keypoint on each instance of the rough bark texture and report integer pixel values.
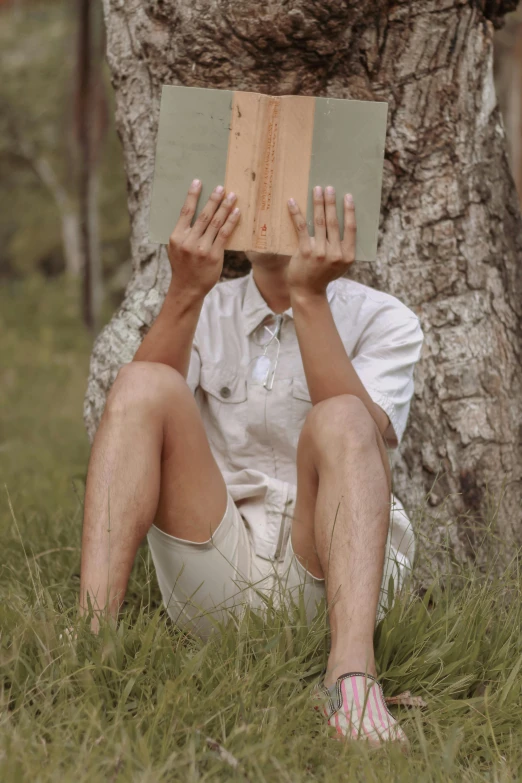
(450, 234)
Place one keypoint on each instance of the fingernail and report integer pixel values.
(291, 202)
(330, 191)
(220, 189)
(196, 183)
(348, 198)
(231, 197)
(318, 190)
(235, 211)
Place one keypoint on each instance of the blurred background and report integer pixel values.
(64, 240)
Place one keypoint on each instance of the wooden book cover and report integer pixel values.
(268, 149)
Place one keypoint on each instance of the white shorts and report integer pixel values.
(200, 582)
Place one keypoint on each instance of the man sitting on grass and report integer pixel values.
(248, 439)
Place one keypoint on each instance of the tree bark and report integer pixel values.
(89, 130)
(450, 231)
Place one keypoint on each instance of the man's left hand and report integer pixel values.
(323, 257)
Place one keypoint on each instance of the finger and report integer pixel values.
(332, 224)
(225, 232)
(218, 220)
(350, 229)
(300, 226)
(207, 213)
(189, 207)
(319, 220)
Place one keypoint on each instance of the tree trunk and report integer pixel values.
(71, 243)
(450, 232)
(89, 130)
(70, 223)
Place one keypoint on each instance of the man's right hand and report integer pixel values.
(196, 252)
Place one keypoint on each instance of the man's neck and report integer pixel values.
(271, 282)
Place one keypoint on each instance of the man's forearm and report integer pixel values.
(328, 369)
(170, 338)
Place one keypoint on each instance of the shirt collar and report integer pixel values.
(255, 309)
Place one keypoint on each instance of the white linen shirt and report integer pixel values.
(253, 432)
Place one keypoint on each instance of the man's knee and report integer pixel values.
(339, 421)
(147, 387)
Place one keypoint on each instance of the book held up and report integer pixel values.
(268, 149)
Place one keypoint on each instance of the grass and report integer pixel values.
(142, 701)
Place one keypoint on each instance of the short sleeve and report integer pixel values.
(194, 369)
(384, 362)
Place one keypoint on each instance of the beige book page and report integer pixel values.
(268, 162)
(297, 130)
(246, 127)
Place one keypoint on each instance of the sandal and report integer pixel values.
(355, 715)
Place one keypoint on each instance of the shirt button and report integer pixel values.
(225, 392)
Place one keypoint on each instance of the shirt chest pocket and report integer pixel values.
(301, 402)
(224, 406)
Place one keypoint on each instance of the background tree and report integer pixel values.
(450, 231)
(18, 147)
(90, 126)
(39, 154)
(33, 129)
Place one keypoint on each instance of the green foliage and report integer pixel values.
(138, 702)
(37, 67)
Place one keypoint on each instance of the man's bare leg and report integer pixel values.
(344, 475)
(149, 460)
